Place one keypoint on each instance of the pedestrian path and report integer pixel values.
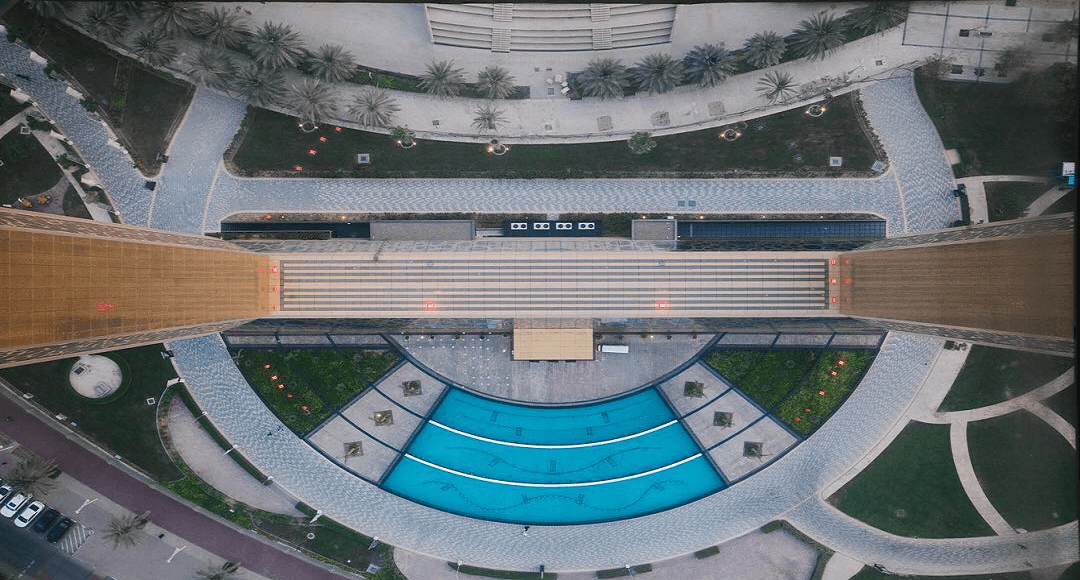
(958, 445)
(1047, 199)
(207, 460)
(976, 193)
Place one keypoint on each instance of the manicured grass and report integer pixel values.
(1064, 404)
(28, 168)
(1066, 204)
(1027, 469)
(915, 474)
(198, 492)
(127, 425)
(822, 391)
(274, 144)
(766, 376)
(151, 103)
(1008, 200)
(73, 204)
(9, 106)
(868, 573)
(992, 375)
(507, 574)
(1004, 129)
(322, 380)
(620, 572)
(332, 540)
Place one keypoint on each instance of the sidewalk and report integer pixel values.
(146, 560)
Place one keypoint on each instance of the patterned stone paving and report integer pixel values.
(889, 385)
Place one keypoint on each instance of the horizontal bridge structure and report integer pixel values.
(538, 280)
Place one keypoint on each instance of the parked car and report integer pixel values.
(58, 530)
(13, 504)
(28, 513)
(5, 491)
(45, 520)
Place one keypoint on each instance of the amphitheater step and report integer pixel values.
(503, 12)
(601, 38)
(500, 40)
(600, 12)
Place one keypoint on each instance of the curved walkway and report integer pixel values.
(889, 385)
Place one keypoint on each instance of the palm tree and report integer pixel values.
(276, 46)
(153, 47)
(764, 49)
(122, 530)
(877, 16)
(776, 87)
(31, 475)
(311, 100)
(818, 37)
(488, 118)
(442, 79)
(173, 18)
(495, 82)
(332, 63)
(221, 27)
(227, 571)
(657, 73)
(602, 77)
(709, 64)
(49, 8)
(259, 87)
(106, 21)
(373, 108)
(211, 67)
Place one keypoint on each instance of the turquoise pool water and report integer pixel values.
(542, 465)
(552, 426)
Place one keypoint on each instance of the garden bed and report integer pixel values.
(126, 425)
(1067, 204)
(912, 489)
(1064, 404)
(801, 387)
(1009, 200)
(142, 105)
(506, 574)
(272, 145)
(305, 386)
(992, 375)
(1027, 469)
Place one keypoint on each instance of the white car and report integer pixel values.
(5, 490)
(13, 505)
(28, 513)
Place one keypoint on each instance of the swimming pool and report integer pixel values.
(544, 465)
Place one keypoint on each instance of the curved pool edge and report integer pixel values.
(891, 382)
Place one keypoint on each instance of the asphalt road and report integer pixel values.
(22, 551)
(138, 497)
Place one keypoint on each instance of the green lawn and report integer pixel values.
(310, 384)
(992, 375)
(1066, 204)
(274, 144)
(1023, 128)
(332, 540)
(28, 168)
(1008, 200)
(8, 106)
(1027, 469)
(915, 474)
(1064, 404)
(73, 204)
(126, 425)
(765, 376)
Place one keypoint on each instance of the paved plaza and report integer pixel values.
(910, 375)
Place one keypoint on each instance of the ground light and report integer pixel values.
(815, 110)
(494, 147)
